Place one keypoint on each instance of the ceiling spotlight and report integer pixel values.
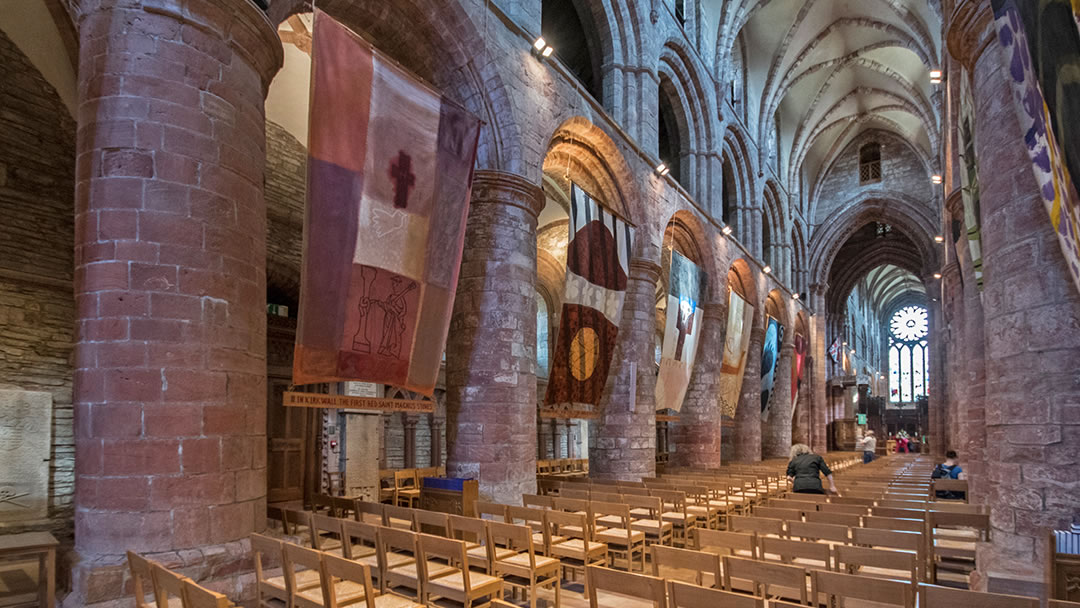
(935, 76)
(939, 239)
(767, 269)
(541, 49)
(935, 178)
(844, 344)
(937, 275)
(662, 169)
(794, 296)
(726, 230)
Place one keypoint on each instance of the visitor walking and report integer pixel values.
(869, 445)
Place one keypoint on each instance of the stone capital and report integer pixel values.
(504, 188)
(714, 310)
(642, 269)
(970, 31)
(954, 203)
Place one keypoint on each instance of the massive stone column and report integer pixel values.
(490, 359)
(748, 416)
(1031, 326)
(697, 434)
(817, 370)
(170, 271)
(622, 441)
(776, 432)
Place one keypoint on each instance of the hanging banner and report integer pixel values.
(797, 365)
(736, 345)
(682, 332)
(770, 360)
(969, 177)
(1042, 41)
(389, 171)
(834, 350)
(597, 267)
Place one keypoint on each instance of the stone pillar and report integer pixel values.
(436, 442)
(170, 286)
(490, 359)
(622, 441)
(697, 434)
(748, 416)
(1031, 328)
(410, 441)
(776, 432)
(569, 438)
(816, 372)
(543, 442)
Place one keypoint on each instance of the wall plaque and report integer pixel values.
(25, 439)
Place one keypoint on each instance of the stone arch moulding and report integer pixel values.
(686, 233)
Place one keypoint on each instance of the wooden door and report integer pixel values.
(286, 438)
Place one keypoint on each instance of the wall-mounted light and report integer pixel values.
(937, 275)
(726, 230)
(794, 296)
(935, 179)
(844, 344)
(853, 351)
(541, 49)
(662, 169)
(935, 77)
(767, 269)
(939, 239)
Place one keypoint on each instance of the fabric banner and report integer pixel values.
(797, 367)
(969, 177)
(834, 350)
(682, 332)
(770, 360)
(597, 268)
(736, 345)
(389, 171)
(1042, 40)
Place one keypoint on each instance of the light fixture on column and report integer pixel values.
(939, 239)
(935, 178)
(767, 269)
(726, 230)
(662, 169)
(541, 49)
(935, 77)
(844, 344)
(937, 275)
(794, 296)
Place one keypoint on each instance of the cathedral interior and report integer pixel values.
(873, 217)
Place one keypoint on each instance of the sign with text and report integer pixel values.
(560, 414)
(294, 399)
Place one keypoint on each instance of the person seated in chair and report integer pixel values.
(950, 469)
(803, 471)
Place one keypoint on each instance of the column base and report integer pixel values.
(104, 581)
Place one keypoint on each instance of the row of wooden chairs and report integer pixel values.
(170, 589)
(563, 467)
(402, 486)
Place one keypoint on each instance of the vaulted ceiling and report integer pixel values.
(831, 69)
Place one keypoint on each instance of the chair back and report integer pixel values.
(933, 595)
(787, 551)
(344, 507)
(670, 563)
(727, 543)
(491, 510)
(649, 588)
(336, 568)
(838, 519)
(682, 595)
(266, 553)
(468, 529)
(433, 548)
(432, 522)
(141, 578)
(768, 578)
(303, 558)
(819, 531)
(758, 525)
(322, 503)
(405, 479)
(369, 512)
(398, 517)
(292, 521)
(167, 584)
(398, 541)
(196, 596)
(537, 501)
(851, 559)
(838, 586)
(892, 523)
(513, 536)
(358, 534)
(777, 513)
(324, 524)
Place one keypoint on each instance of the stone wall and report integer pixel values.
(37, 308)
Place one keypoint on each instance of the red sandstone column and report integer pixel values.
(776, 432)
(490, 362)
(748, 416)
(818, 367)
(622, 442)
(1031, 327)
(170, 255)
(697, 434)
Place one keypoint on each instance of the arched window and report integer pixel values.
(737, 84)
(730, 194)
(575, 40)
(680, 11)
(908, 360)
(669, 137)
(766, 239)
(774, 143)
(543, 324)
(870, 163)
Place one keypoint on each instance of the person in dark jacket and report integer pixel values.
(805, 469)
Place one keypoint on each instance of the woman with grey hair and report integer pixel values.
(804, 471)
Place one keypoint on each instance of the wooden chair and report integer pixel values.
(933, 595)
(890, 539)
(838, 587)
(954, 486)
(406, 489)
(326, 534)
(296, 523)
(196, 596)
(491, 510)
(431, 522)
(527, 516)
(765, 578)
(892, 523)
(682, 595)
(323, 503)
(336, 569)
(844, 508)
(818, 532)
(454, 580)
(141, 578)
(879, 563)
(274, 591)
(837, 519)
(537, 501)
(671, 563)
(676, 512)
(398, 517)
(578, 550)
(952, 539)
(360, 543)
(307, 560)
(168, 586)
(398, 552)
(645, 514)
(638, 586)
(796, 552)
(344, 507)
(762, 526)
(523, 570)
(723, 543)
(622, 540)
(387, 493)
(474, 532)
(369, 512)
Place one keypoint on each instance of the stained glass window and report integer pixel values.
(541, 335)
(908, 358)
